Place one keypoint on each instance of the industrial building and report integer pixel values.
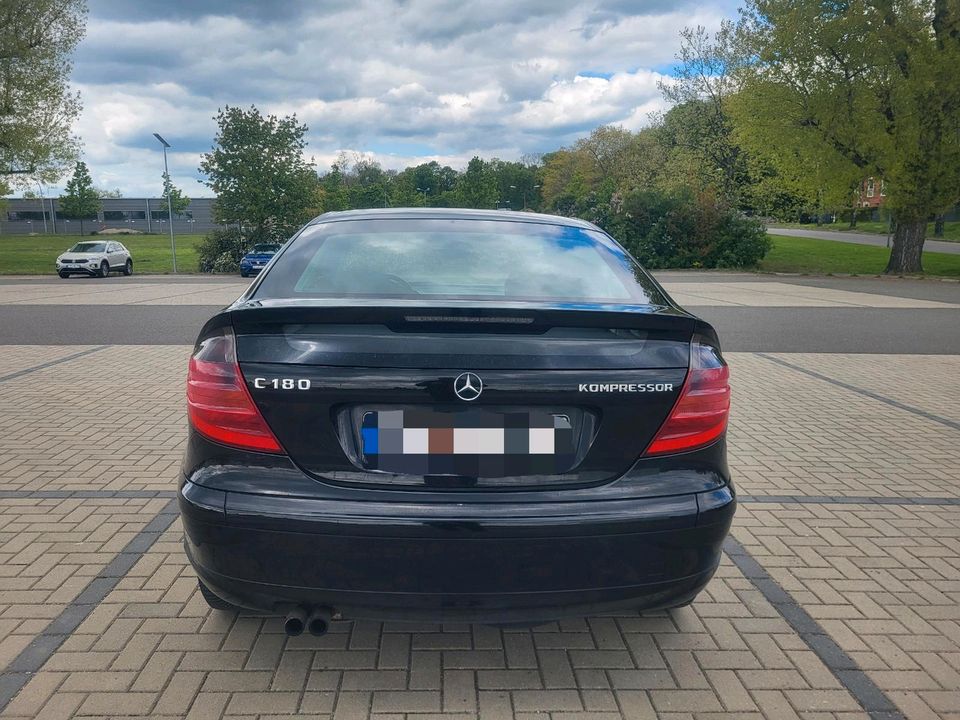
(21, 216)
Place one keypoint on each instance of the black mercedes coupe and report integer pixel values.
(439, 414)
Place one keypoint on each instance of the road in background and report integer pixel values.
(862, 238)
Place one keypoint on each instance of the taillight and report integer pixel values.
(700, 414)
(218, 403)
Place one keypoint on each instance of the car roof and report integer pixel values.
(452, 214)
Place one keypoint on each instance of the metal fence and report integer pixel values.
(22, 216)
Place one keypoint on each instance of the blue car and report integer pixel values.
(255, 260)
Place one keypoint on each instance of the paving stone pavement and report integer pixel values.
(91, 291)
(692, 292)
(795, 434)
(149, 651)
(783, 294)
(49, 550)
(882, 582)
(111, 420)
(19, 358)
(928, 382)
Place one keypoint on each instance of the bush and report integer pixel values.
(862, 214)
(686, 231)
(739, 242)
(221, 250)
(226, 263)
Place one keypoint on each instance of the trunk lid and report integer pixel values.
(366, 394)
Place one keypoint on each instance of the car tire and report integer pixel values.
(214, 601)
(104, 269)
(64, 275)
(244, 274)
(128, 268)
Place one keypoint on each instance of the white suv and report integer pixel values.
(96, 258)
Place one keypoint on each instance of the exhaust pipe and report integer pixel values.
(294, 623)
(319, 621)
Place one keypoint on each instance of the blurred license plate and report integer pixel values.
(469, 442)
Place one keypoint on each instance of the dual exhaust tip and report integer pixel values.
(316, 621)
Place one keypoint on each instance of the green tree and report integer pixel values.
(870, 83)
(178, 201)
(518, 183)
(477, 187)
(607, 148)
(332, 187)
(81, 201)
(576, 180)
(259, 174)
(568, 176)
(403, 189)
(698, 129)
(426, 184)
(368, 186)
(37, 107)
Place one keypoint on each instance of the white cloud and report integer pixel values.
(590, 100)
(401, 81)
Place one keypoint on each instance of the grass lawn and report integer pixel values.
(824, 257)
(951, 230)
(36, 254)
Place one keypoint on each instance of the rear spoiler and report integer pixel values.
(264, 316)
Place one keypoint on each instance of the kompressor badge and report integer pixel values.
(625, 387)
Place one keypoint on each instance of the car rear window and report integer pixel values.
(89, 247)
(457, 259)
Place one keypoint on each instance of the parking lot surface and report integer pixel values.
(838, 596)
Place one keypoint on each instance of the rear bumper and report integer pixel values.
(453, 561)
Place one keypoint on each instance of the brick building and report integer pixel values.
(872, 193)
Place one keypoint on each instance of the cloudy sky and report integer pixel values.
(404, 81)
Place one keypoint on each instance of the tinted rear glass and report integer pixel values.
(457, 259)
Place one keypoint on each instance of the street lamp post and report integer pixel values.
(514, 187)
(43, 207)
(166, 174)
(535, 188)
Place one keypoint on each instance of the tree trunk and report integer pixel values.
(907, 247)
(853, 218)
(938, 226)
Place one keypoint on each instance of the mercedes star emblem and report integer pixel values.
(468, 386)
